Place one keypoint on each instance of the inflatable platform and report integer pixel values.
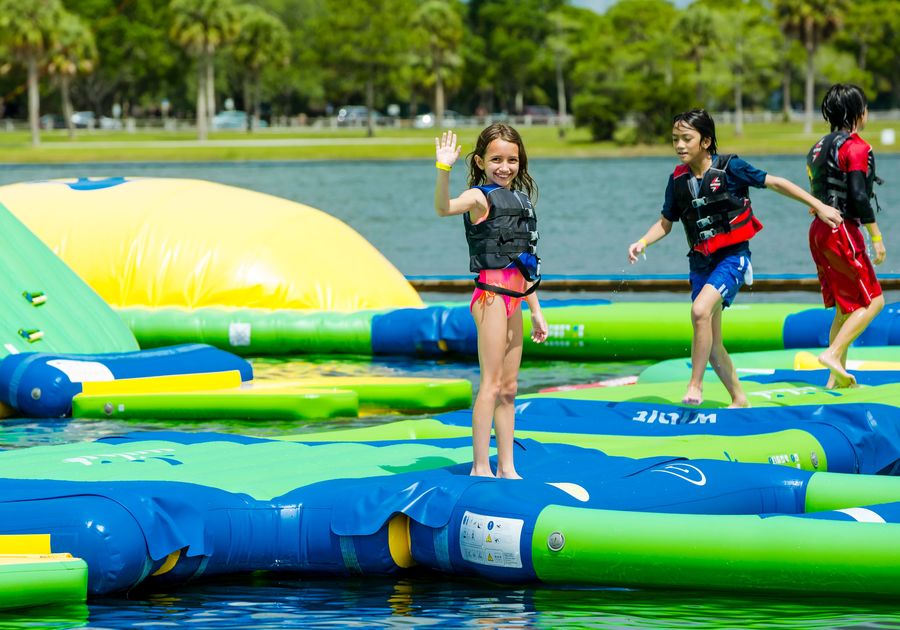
(161, 508)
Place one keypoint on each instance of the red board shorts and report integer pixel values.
(845, 271)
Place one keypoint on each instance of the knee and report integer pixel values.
(490, 389)
(508, 393)
(700, 315)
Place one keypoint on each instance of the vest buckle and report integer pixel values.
(704, 221)
(699, 202)
(707, 234)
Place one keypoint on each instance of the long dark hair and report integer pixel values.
(501, 131)
(843, 106)
(700, 120)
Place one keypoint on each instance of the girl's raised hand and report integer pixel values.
(446, 149)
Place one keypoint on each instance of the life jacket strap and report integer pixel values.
(504, 291)
(699, 202)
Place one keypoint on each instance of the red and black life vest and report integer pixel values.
(713, 218)
(827, 181)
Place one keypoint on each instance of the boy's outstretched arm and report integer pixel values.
(831, 216)
(657, 231)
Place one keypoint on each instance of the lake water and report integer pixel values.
(589, 211)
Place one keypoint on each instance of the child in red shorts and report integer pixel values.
(841, 169)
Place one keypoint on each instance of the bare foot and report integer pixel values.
(481, 472)
(693, 396)
(741, 403)
(840, 377)
(502, 474)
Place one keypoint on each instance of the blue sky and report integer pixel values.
(600, 6)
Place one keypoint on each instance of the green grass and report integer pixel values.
(388, 144)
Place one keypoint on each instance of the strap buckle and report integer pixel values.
(699, 202)
(707, 234)
(704, 221)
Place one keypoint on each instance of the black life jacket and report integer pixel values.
(497, 242)
(827, 182)
(714, 218)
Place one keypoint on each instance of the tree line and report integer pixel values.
(621, 73)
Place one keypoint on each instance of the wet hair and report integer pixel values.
(700, 120)
(501, 131)
(843, 106)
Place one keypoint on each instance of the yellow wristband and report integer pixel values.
(643, 242)
(876, 238)
(442, 166)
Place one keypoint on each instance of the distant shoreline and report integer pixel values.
(289, 144)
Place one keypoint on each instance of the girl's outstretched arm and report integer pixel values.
(472, 200)
(831, 216)
(657, 231)
(539, 327)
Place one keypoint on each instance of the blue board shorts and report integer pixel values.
(727, 277)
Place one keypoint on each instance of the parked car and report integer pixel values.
(233, 119)
(356, 115)
(540, 114)
(425, 121)
(110, 123)
(53, 121)
(84, 120)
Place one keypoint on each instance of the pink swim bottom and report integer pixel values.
(509, 278)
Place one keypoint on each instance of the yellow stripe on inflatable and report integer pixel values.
(188, 243)
(399, 543)
(24, 544)
(169, 564)
(158, 384)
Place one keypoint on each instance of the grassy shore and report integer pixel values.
(388, 144)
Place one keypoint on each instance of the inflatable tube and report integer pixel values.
(31, 576)
(251, 403)
(194, 244)
(312, 398)
(732, 553)
(29, 580)
(580, 330)
(811, 328)
(42, 385)
(169, 512)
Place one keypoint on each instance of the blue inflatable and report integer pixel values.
(42, 385)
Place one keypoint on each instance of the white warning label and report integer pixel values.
(491, 540)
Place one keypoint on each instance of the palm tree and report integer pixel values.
(812, 22)
(201, 27)
(261, 42)
(73, 51)
(697, 32)
(559, 44)
(438, 31)
(27, 31)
